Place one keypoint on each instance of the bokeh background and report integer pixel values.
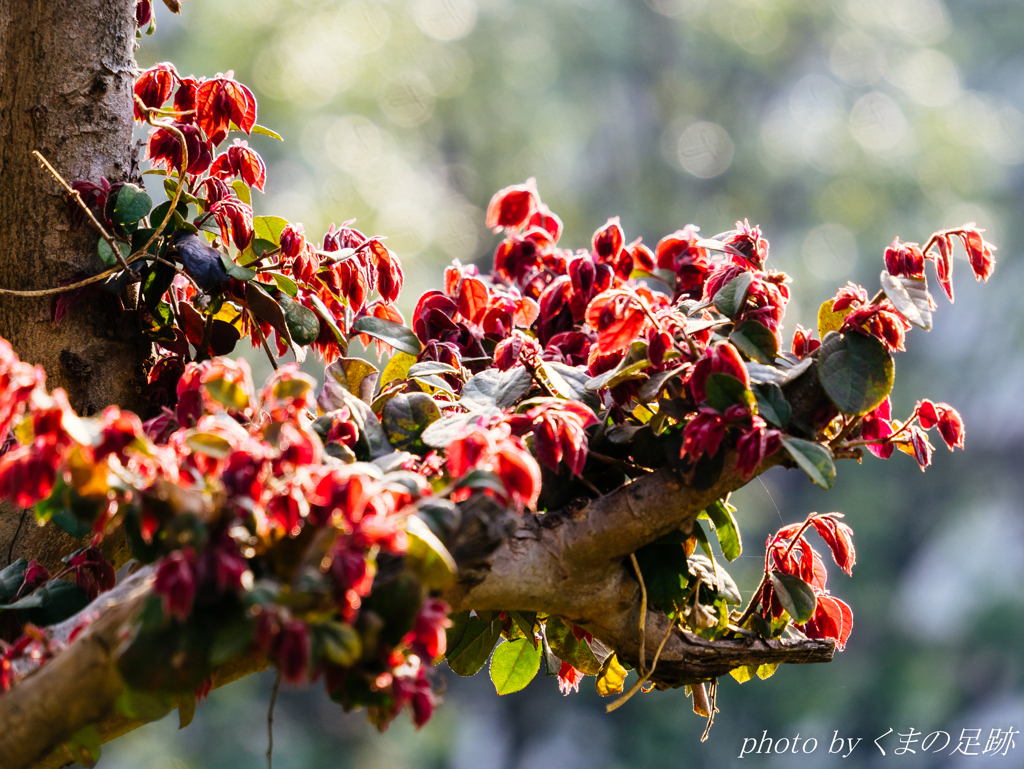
(836, 125)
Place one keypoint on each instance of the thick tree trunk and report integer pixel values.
(66, 76)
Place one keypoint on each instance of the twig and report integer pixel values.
(148, 112)
(270, 720)
(642, 680)
(643, 613)
(714, 709)
(137, 255)
(74, 195)
(203, 352)
(620, 462)
(262, 338)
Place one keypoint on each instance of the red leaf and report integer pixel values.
(839, 538)
(222, 101)
(618, 318)
(513, 206)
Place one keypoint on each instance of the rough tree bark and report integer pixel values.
(66, 77)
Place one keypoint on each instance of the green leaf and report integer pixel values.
(724, 390)
(767, 670)
(795, 595)
(235, 270)
(624, 372)
(132, 204)
(525, 620)
(651, 389)
(717, 580)
(242, 191)
(428, 557)
(334, 395)
(11, 579)
(447, 429)
(338, 642)
(565, 646)
(84, 746)
(259, 129)
(730, 297)
(228, 394)
(186, 710)
(856, 371)
(143, 706)
(483, 479)
(157, 216)
(209, 444)
(663, 565)
(156, 283)
(814, 459)
(284, 283)
(52, 603)
(514, 665)
(406, 416)
(329, 319)
(743, 674)
(303, 323)
(728, 532)
(772, 404)
(429, 367)
(910, 297)
(269, 228)
(395, 334)
(755, 341)
(469, 642)
(612, 677)
(232, 639)
(356, 375)
(496, 389)
(264, 307)
(107, 254)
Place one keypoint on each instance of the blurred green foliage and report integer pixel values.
(836, 125)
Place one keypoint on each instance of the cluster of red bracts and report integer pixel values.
(882, 436)
(789, 552)
(497, 450)
(880, 318)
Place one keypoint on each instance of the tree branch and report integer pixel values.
(570, 563)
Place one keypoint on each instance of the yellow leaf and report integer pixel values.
(828, 320)
(611, 678)
(744, 673)
(88, 478)
(397, 368)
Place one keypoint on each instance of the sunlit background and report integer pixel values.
(836, 125)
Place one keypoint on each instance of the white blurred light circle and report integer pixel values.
(830, 251)
(445, 19)
(705, 150)
(364, 26)
(407, 100)
(931, 78)
(678, 9)
(877, 122)
(410, 227)
(815, 102)
(354, 143)
(857, 58)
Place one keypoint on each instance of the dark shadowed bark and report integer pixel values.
(66, 76)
